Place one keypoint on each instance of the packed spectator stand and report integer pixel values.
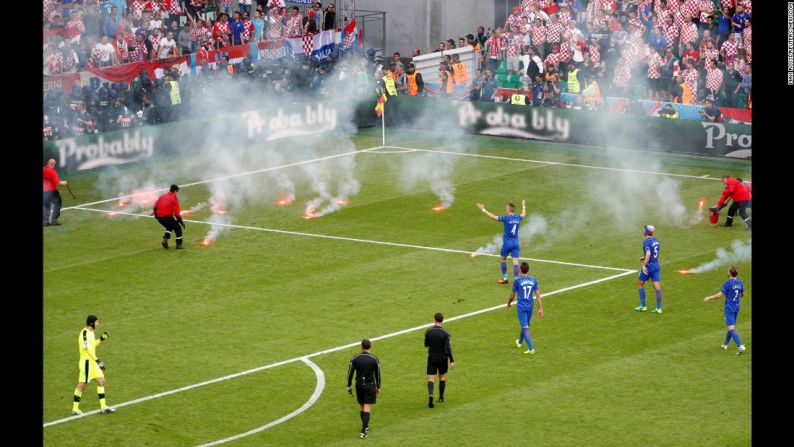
(622, 56)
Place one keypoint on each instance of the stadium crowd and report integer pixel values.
(98, 34)
(682, 51)
(685, 51)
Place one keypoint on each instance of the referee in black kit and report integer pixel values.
(439, 348)
(367, 369)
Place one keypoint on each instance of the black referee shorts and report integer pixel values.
(436, 364)
(366, 393)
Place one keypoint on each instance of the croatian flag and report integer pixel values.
(351, 34)
(318, 46)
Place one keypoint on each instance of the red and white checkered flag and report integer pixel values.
(308, 44)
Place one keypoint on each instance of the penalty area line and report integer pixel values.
(363, 241)
(225, 177)
(326, 351)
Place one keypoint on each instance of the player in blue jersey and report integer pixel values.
(510, 244)
(733, 291)
(525, 286)
(650, 270)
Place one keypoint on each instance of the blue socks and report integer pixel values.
(658, 298)
(727, 338)
(642, 296)
(521, 336)
(515, 271)
(525, 331)
(503, 264)
(735, 337)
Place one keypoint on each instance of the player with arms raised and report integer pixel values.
(510, 243)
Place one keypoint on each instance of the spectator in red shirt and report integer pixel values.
(167, 212)
(52, 198)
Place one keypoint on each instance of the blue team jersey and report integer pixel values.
(511, 227)
(525, 287)
(652, 245)
(733, 290)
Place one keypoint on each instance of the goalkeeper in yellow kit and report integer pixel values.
(91, 368)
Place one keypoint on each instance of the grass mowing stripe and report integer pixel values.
(575, 165)
(327, 351)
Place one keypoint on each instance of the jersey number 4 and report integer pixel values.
(513, 231)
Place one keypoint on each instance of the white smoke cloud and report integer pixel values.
(740, 252)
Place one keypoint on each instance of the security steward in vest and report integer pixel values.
(172, 85)
(461, 75)
(574, 80)
(388, 80)
(415, 84)
(519, 98)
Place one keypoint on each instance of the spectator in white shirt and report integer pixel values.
(168, 46)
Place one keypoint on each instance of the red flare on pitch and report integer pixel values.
(309, 215)
(206, 242)
(218, 210)
(185, 212)
(284, 201)
(685, 272)
(112, 213)
(341, 202)
(701, 203)
(122, 203)
(439, 208)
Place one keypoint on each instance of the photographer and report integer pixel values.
(668, 111)
(711, 112)
(552, 91)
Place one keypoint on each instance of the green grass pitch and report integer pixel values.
(603, 375)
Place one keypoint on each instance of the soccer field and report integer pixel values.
(250, 335)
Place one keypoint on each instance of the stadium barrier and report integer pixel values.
(572, 126)
(246, 130)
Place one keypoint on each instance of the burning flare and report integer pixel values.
(439, 208)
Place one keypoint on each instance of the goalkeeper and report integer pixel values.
(91, 368)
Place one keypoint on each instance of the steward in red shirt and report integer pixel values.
(167, 212)
(52, 198)
(737, 191)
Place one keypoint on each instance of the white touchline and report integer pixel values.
(318, 389)
(239, 174)
(526, 160)
(327, 351)
(351, 239)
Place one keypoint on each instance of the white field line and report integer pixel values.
(318, 389)
(526, 160)
(364, 241)
(239, 174)
(327, 351)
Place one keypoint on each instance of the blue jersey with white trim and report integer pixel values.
(734, 291)
(651, 244)
(511, 223)
(525, 287)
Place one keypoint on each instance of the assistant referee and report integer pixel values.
(439, 349)
(367, 369)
